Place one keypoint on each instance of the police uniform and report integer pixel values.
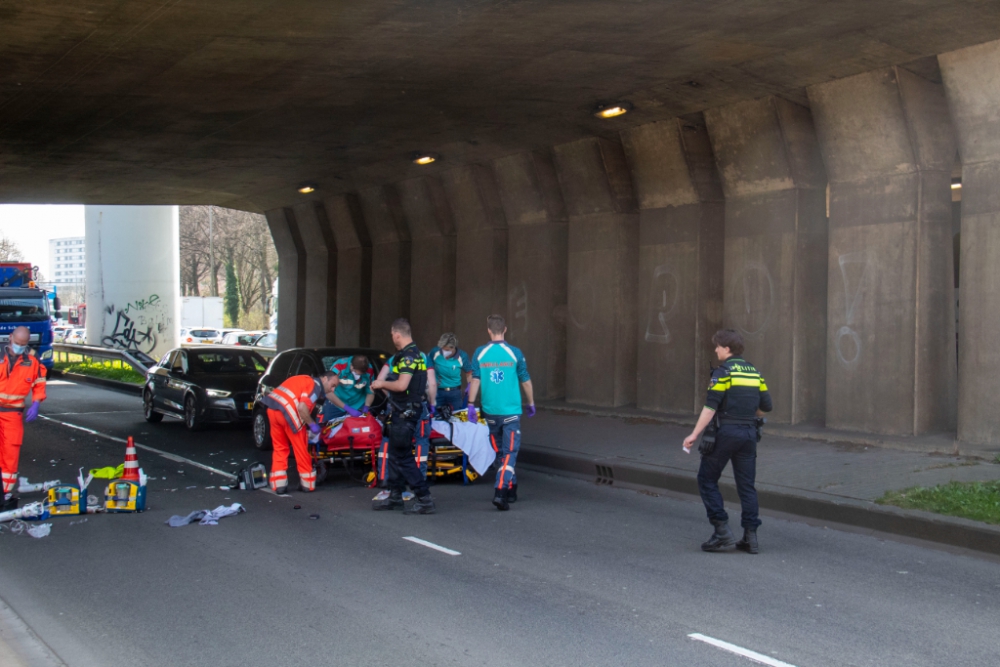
(736, 392)
(500, 369)
(405, 411)
(449, 372)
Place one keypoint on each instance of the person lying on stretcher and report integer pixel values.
(353, 394)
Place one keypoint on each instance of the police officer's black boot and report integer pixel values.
(721, 539)
(393, 501)
(749, 541)
(421, 505)
(512, 494)
(10, 502)
(500, 500)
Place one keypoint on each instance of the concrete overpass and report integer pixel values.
(785, 168)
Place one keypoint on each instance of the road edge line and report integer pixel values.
(739, 650)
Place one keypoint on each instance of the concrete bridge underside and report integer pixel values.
(789, 169)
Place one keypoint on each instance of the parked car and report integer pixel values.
(76, 337)
(269, 339)
(59, 333)
(197, 336)
(303, 361)
(225, 332)
(203, 386)
(241, 337)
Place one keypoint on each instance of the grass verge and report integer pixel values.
(122, 373)
(979, 501)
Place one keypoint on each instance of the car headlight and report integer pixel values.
(47, 354)
(217, 393)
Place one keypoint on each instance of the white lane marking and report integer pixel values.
(56, 383)
(154, 450)
(431, 545)
(739, 650)
(99, 412)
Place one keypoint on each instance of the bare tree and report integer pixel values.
(9, 252)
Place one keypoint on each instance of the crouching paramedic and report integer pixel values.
(353, 395)
(500, 369)
(22, 390)
(406, 384)
(289, 412)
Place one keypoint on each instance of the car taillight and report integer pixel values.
(190, 340)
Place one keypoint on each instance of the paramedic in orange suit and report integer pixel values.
(22, 390)
(289, 413)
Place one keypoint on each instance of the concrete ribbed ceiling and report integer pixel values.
(235, 103)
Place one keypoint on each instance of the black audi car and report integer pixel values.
(203, 385)
(306, 361)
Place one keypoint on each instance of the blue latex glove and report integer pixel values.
(430, 410)
(351, 411)
(364, 410)
(32, 412)
(531, 410)
(466, 392)
(315, 428)
(473, 415)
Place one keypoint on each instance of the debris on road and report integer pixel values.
(40, 530)
(27, 487)
(108, 472)
(206, 517)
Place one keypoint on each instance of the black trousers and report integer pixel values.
(736, 443)
(403, 468)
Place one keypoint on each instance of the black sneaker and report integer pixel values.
(10, 502)
(392, 500)
(512, 494)
(500, 500)
(721, 539)
(423, 505)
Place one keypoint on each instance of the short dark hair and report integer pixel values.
(359, 362)
(730, 338)
(402, 326)
(328, 374)
(496, 324)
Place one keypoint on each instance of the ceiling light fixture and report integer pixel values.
(425, 158)
(612, 110)
(306, 188)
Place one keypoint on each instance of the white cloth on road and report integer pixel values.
(473, 439)
(206, 517)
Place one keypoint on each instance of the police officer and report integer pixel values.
(406, 384)
(451, 365)
(422, 434)
(737, 395)
(499, 368)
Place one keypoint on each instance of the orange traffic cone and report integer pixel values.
(131, 472)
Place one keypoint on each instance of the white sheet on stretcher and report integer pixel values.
(473, 439)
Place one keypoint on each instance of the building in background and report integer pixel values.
(67, 261)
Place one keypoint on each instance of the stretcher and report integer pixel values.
(352, 442)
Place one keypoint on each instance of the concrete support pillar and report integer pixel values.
(889, 149)
(536, 267)
(681, 230)
(432, 263)
(291, 277)
(390, 237)
(481, 251)
(602, 272)
(776, 247)
(354, 271)
(321, 274)
(973, 91)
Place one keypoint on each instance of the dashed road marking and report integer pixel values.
(739, 650)
(431, 545)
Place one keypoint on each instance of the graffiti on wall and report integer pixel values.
(137, 325)
(751, 298)
(857, 269)
(664, 295)
(517, 305)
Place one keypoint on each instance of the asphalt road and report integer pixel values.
(575, 574)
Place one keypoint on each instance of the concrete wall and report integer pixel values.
(321, 274)
(973, 89)
(602, 272)
(681, 229)
(133, 296)
(354, 271)
(432, 263)
(383, 215)
(536, 266)
(481, 251)
(775, 247)
(889, 150)
(291, 277)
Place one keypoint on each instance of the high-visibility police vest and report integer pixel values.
(26, 375)
(293, 392)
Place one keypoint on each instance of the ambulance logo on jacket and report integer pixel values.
(496, 377)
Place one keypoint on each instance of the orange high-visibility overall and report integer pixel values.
(19, 376)
(288, 432)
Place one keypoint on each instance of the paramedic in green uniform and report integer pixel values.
(451, 365)
(501, 371)
(353, 395)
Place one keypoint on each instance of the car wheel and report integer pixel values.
(151, 415)
(261, 431)
(191, 414)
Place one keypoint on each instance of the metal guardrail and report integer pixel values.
(137, 360)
